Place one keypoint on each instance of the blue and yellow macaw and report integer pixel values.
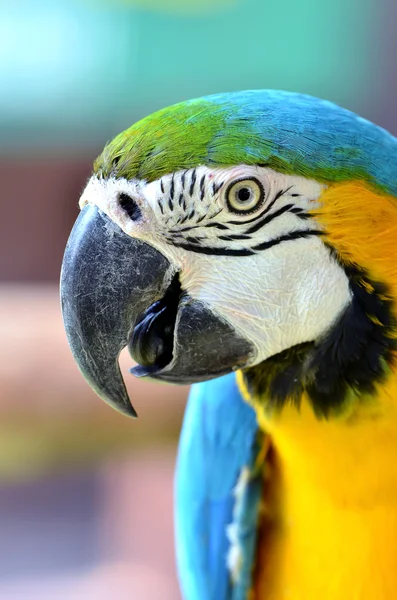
(245, 242)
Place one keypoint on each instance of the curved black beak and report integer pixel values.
(118, 290)
(107, 280)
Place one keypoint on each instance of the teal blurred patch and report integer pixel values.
(63, 71)
(74, 73)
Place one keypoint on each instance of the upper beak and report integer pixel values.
(118, 290)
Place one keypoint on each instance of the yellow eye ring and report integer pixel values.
(244, 195)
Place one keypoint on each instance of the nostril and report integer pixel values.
(130, 206)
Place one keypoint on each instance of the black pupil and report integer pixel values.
(244, 194)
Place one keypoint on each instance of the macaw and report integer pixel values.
(245, 243)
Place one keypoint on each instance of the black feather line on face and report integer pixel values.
(234, 236)
(268, 219)
(172, 187)
(202, 188)
(216, 187)
(300, 213)
(217, 226)
(194, 240)
(189, 227)
(215, 214)
(192, 182)
(248, 251)
(294, 235)
(348, 362)
(214, 251)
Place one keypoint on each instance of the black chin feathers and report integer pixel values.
(351, 359)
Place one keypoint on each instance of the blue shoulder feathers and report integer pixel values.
(218, 440)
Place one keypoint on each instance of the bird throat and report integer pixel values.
(344, 367)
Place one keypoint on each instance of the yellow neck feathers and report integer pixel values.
(330, 525)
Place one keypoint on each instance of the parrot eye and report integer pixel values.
(130, 206)
(244, 195)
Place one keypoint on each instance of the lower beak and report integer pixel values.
(117, 291)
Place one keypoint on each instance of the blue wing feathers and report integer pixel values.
(246, 518)
(217, 440)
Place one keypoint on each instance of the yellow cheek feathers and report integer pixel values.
(362, 227)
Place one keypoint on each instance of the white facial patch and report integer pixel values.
(289, 294)
(264, 269)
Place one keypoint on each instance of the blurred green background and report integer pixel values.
(86, 494)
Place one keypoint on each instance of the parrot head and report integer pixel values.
(223, 234)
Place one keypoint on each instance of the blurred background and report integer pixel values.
(86, 494)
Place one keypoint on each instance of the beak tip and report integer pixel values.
(124, 408)
(129, 411)
(120, 404)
